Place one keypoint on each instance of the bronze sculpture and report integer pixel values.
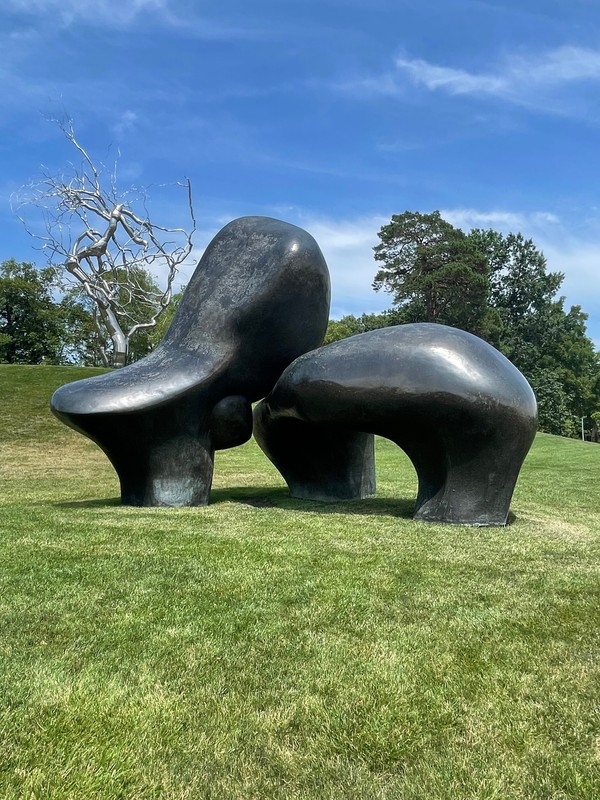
(253, 312)
(258, 299)
(462, 412)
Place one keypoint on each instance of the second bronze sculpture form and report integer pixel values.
(247, 327)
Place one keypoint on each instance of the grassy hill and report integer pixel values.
(26, 393)
(263, 647)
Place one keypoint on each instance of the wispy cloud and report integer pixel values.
(117, 14)
(114, 12)
(125, 123)
(505, 221)
(454, 81)
(537, 80)
(515, 76)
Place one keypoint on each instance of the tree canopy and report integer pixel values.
(40, 325)
(31, 324)
(432, 267)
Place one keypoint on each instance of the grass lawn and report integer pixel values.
(262, 647)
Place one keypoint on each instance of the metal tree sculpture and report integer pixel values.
(93, 238)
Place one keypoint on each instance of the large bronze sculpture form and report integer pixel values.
(462, 412)
(253, 311)
(258, 299)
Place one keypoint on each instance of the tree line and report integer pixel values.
(42, 324)
(493, 285)
(499, 288)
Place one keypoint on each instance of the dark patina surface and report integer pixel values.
(465, 416)
(258, 299)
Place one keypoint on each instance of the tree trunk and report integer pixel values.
(431, 304)
(119, 358)
(119, 339)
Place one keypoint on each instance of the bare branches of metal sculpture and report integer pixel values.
(253, 313)
(461, 411)
(96, 240)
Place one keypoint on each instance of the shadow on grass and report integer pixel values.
(99, 502)
(278, 497)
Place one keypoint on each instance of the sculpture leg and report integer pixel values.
(163, 457)
(318, 462)
(467, 474)
(473, 495)
(173, 472)
(467, 471)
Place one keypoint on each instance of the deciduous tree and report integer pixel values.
(31, 324)
(547, 343)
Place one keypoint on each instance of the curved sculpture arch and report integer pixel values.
(465, 416)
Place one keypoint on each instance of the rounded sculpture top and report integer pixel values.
(406, 366)
(261, 283)
(258, 299)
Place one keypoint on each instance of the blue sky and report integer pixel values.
(331, 114)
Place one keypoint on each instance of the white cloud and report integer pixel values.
(125, 124)
(505, 221)
(515, 77)
(454, 81)
(563, 65)
(536, 80)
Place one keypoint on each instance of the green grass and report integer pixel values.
(262, 647)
